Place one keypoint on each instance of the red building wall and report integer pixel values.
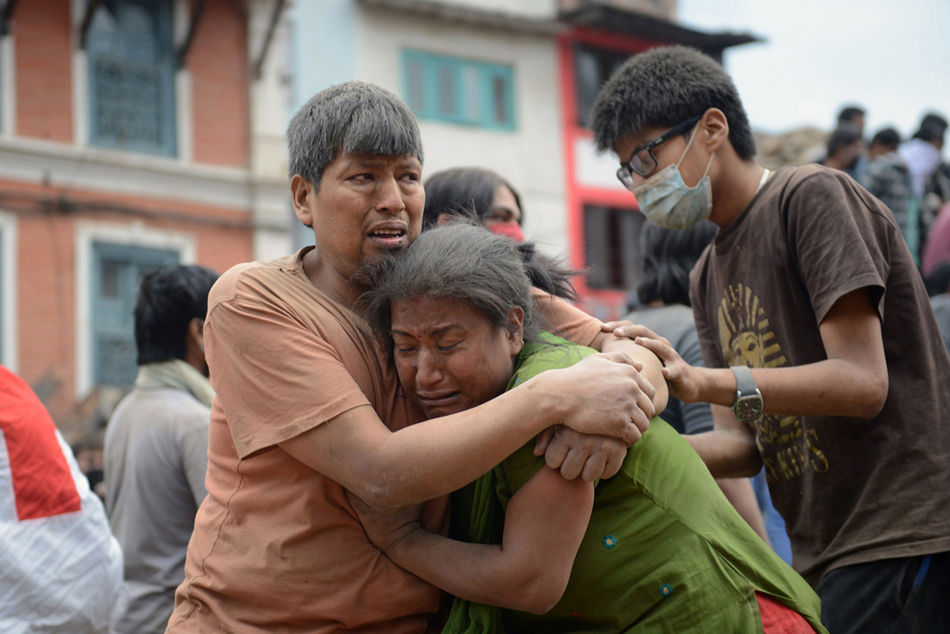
(218, 62)
(45, 305)
(46, 259)
(604, 303)
(43, 53)
(46, 264)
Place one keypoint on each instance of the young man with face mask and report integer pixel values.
(810, 285)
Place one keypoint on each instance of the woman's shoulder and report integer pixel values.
(549, 352)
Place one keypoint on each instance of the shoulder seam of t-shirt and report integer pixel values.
(271, 436)
(238, 296)
(864, 281)
(839, 181)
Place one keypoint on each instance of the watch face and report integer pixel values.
(748, 408)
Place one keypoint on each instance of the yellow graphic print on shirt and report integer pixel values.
(747, 339)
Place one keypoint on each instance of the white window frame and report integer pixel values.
(8, 290)
(136, 235)
(181, 16)
(8, 90)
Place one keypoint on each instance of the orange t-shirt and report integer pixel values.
(276, 546)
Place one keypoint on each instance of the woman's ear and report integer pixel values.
(715, 129)
(445, 219)
(301, 191)
(515, 330)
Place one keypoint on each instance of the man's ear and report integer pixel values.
(302, 192)
(515, 330)
(715, 129)
(196, 333)
(195, 345)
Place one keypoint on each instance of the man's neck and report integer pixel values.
(328, 280)
(836, 164)
(734, 189)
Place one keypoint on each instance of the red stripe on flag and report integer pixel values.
(42, 482)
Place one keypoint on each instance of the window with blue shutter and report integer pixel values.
(131, 57)
(459, 90)
(116, 272)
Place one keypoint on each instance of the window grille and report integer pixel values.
(131, 76)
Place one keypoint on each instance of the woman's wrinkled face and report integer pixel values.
(449, 356)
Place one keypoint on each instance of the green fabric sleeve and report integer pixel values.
(487, 524)
(550, 353)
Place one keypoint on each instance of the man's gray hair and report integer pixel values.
(350, 117)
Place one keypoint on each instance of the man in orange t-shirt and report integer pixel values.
(307, 403)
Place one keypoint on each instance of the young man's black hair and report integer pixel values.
(168, 299)
(842, 136)
(849, 113)
(887, 137)
(681, 83)
(668, 257)
(932, 129)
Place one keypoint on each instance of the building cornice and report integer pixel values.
(501, 20)
(61, 166)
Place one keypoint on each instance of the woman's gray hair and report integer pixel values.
(458, 262)
(351, 117)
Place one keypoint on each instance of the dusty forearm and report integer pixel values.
(475, 572)
(436, 457)
(833, 387)
(727, 455)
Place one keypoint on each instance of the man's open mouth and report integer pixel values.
(388, 236)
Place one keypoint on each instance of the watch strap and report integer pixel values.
(745, 384)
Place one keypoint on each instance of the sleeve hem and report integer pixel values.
(867, 280)
(275, 435)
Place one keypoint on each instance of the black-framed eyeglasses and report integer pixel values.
(642, 161)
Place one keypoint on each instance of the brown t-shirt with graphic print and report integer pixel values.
(851, 490)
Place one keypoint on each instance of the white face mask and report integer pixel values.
(668, 202)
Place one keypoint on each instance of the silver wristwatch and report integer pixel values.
(748, 403)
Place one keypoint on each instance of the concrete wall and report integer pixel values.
(324, 46)
(531, 156)
(521, 8)
(270, 100)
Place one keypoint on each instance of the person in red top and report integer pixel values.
(60, 567)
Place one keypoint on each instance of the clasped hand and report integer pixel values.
(612, 406)
(684, 380)
(384, 530)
